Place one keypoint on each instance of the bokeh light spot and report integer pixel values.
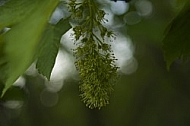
(119, 7)
(144, 7)
(132, 18)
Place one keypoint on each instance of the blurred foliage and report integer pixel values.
(152, 96)
(24, 36)
(176, 41)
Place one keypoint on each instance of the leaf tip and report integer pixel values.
(3, 92)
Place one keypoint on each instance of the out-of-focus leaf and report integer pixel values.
(177, 40)
(14, 11)
(50, 45)
(2, 62)
(180, 3)
(22, 40)
(15, 93)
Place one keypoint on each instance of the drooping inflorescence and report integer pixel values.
(95, 60)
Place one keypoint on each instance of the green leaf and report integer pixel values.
(15, 11)
(2, 61)
(22, 40)
(50, 46)
(177, 40)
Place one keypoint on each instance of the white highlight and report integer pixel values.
(123, 50)
(119, 7)
(20, 82)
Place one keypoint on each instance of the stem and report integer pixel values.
(91, 16)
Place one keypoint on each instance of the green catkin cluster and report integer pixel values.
(94, 58)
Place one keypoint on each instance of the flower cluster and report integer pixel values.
(95, 60)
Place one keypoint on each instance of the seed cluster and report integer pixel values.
(95, 60)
